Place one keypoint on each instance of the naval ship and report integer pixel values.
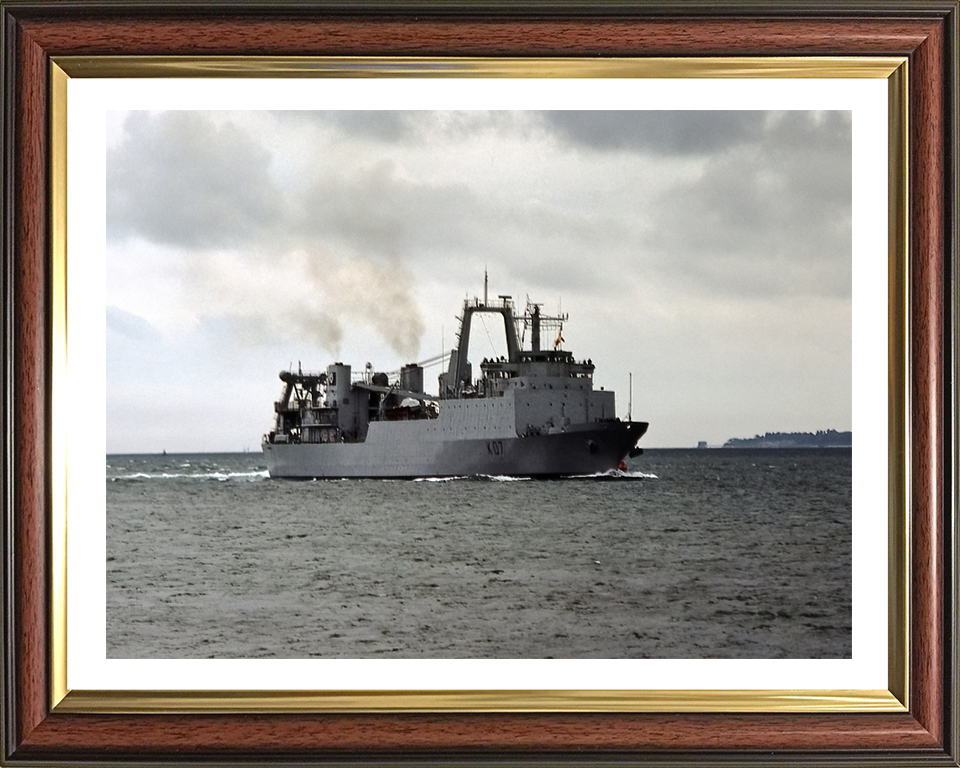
(531, 413)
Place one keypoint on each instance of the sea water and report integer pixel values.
(712, 553)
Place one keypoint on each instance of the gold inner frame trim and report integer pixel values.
(439, 67)
(898, 416)
(729, 701)
(893, 69)
(58, 373)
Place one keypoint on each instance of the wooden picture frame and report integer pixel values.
(37, 731)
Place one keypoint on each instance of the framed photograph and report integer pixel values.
(244, 183)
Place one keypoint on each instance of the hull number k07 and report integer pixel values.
(495, 447)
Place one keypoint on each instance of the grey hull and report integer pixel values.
(579, 450)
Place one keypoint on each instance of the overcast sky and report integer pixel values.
(708, 253)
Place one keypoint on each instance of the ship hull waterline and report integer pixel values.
(585, 449)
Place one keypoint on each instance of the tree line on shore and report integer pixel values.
(828, 438)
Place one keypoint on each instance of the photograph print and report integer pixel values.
(413, 384)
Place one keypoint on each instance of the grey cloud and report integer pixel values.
(378, 124)
(311, 322)
(134, 348)
(690, 253)
(769, 215)
(770, 218)
(420, 125)
(661, 132)
(442, 227)
(129, 325)
(371, 209)
(177, 179)
(771, 212)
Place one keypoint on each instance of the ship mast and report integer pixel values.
(458, 374)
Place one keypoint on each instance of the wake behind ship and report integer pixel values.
(531, 413)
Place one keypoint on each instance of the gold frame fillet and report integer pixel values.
(894, 699)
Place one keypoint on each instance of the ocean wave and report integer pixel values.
(440, 479)
(616, 474)
(612, 474)
(220, 476)
(492, 478)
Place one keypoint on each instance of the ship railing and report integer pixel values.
(299, 373)
(364, 377)
(319, 418)
(429, 362)
(505, 302)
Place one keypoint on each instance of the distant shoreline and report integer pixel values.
(175, 454)
(829, 438)
(750, 448)
(783, 447)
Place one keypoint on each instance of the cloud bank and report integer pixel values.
(681, 240)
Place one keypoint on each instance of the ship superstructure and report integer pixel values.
(532, 412)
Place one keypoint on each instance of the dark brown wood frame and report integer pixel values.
(925, 32)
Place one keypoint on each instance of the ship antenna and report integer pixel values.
(630, 401)
(485, 285)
